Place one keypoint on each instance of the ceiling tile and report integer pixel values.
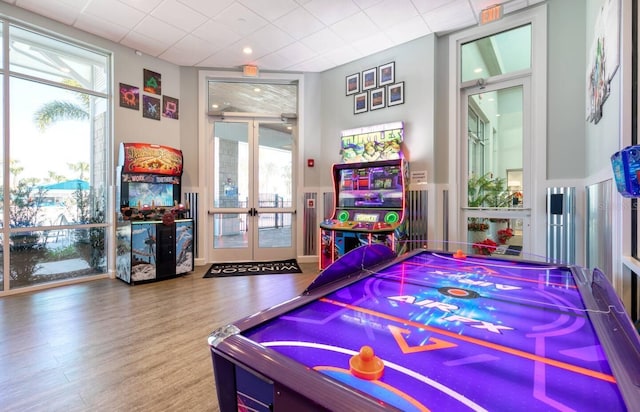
(268, 39)
(373, 44)
(365, 4)
(63, 13)
(408, 30)
(240, 19)
(229, 57)
(331, 11)
(355, 27)
(143, 5)
(317, 64)
(115, 12)
(287, 56)
(390, 12)
(159, 30)
(425, 6)
(217, 34)
(299, 23)
(178, 15)
(271, 9)
(342, 55)
(111, 31)
(207, 7)
(189, 51)
(145, 44)
(454, 16)
(322, 40)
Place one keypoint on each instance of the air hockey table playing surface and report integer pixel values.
(453, 333)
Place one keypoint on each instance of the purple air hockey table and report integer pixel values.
(454, 333)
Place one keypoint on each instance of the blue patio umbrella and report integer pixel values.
(73, 184)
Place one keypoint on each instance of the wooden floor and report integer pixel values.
(108, 346)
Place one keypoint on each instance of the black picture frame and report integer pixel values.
(151, 107)
(352, 84)
(376, 98)
(369, 79)
(387, 74)
(395, 94)
(360, 102)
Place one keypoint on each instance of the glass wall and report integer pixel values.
(54, 195)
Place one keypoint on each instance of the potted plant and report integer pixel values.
(487, 191)
(504, 235)
(486, 247)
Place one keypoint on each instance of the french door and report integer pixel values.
(251, 214)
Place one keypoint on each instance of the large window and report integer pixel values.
(55, 170)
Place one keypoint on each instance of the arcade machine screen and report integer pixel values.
(377, 187)
(160, 194)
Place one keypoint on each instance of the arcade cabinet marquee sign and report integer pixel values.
(368, 144)
(151, 159)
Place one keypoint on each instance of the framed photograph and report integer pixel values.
(360, 103)
(170, 107)
(395, 94)
(377, 98)
(353, 84)
(152, 81)
(369, 79)
(129, 96)
(387, 74)
(150, 107)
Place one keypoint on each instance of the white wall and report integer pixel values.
(567, 79)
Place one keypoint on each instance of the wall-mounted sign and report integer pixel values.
(250, 70)
(491, 14)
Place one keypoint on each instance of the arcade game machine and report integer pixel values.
(369, 187)
(154, 237)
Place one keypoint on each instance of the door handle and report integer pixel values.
(253, 212)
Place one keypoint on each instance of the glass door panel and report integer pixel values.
(275, 191)
(496, 190)
(231, 189)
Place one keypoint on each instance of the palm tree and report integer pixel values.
(57, 110)
(80, 167)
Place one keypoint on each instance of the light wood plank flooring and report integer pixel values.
(108, 346)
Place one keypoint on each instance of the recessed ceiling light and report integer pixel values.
(247, 50)
(478, 70)
(256, 89)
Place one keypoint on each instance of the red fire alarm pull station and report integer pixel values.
(310, 162)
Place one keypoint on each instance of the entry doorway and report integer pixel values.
(252, 214)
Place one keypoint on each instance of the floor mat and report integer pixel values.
(253, 268)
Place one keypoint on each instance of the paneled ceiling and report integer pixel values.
(289, 35)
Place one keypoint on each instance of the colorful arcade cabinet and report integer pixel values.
(369, 194)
